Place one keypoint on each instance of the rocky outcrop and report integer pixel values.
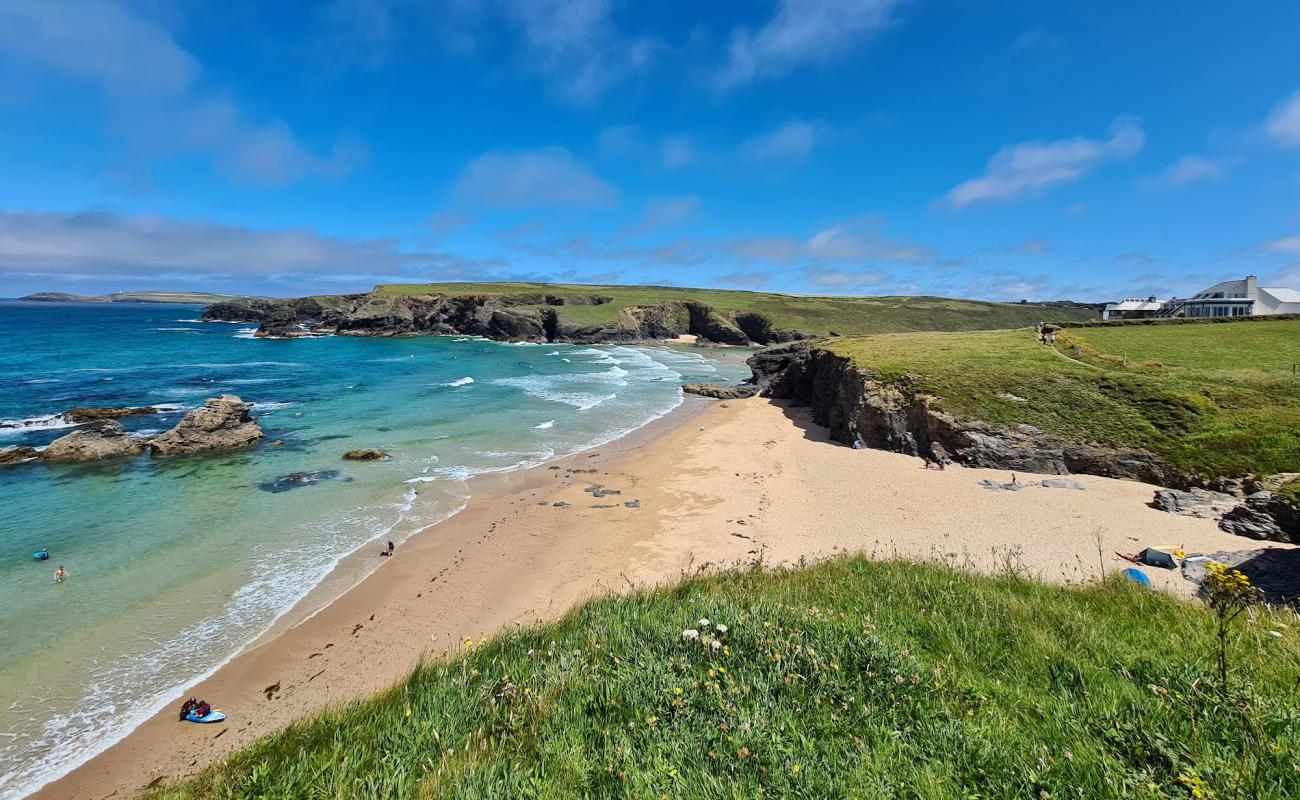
(721, 392)
(1195, 502)
(18, 455)
(95, 442)
(513, 317)
(94, 414)
(1265, 515)
(221, 423)
(298, 480)
(892, 415)
(365, 455)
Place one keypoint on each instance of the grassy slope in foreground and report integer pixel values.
(1216, 400)
(848, 679)
(813, 315)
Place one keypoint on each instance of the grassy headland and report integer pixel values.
(808, 314)
(848, 679)
(130, 297)
(1216, 400)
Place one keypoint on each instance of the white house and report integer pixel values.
(1242, 298)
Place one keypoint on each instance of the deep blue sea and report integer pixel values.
(175, 565)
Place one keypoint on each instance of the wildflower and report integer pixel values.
(704, 622)
(898, 679)
(794, 770)
(1276, 634)
(691, 634)
(715, 644)
(650, 720)
(720, 628)
(743, 752)
(677, 690)
(408, 711)
(712, 673)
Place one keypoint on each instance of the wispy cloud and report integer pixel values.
(1287, 244)
(664, 212)
(532, 179)
(858, 239)
(149, 84)
(793, 141)
(578, 47)
(677, 152)
(1189, 169)
(1033, 167)
(802, 32)
(1283, 122)
(742, 280)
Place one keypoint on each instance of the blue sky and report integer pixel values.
(1000, 150)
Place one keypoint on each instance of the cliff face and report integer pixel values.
(509, 318)
(891, 415)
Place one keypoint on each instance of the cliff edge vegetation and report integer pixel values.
(851, 678)
(593, 314)
(1190, 402)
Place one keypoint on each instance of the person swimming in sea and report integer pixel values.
(42, 555)
(60, 574)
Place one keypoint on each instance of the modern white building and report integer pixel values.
(1241, 298)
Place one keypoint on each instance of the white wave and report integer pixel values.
(49, 422)
(269, 407)
(237, 364)
(550, 423)
(466, 381)
(553, 353)
(41, 380)
(522, 344)
(176, 330)
(189, 320)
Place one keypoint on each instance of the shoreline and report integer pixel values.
(756, 481)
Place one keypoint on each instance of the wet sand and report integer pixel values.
(718, 484)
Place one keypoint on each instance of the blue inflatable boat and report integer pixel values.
(213, 716)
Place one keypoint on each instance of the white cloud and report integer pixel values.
(844, 279)
(1032, 167)
(667, 211)
(618, 141)
(115, 245)
(793, 141)
(1190, 169)
(857, 239)
(148, 81)
(802, 32)
(1287, 244)
(578, 47)
(677, 152)
(742, 280)
(776, 249)
(1283, 122)
(531, 179)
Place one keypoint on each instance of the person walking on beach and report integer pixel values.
(60, 574)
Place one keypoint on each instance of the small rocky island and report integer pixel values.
(220, 424)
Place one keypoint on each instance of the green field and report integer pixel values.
(812, 315)
(1216, 400)
(852, 679)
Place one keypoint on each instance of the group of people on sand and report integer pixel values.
(198, 708)
(938, 457)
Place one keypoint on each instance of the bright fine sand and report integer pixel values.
(719, 484)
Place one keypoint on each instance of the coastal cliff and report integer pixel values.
(863, 407)
(517, 317)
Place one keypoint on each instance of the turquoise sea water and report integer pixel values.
(177, 564)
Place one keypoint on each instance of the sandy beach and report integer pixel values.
(717, 484)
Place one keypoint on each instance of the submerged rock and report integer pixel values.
(95, 442)
(297, 480)
(17, 455)
(222, 423)
(365, 455)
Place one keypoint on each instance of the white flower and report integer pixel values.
(690, 633)
(715, 644)
(1278, 634)
(720, 628)
(704, 623)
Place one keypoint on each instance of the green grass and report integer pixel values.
(852, 678)
(812, 315)
(1215, 400)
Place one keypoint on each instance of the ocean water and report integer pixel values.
(177, 564)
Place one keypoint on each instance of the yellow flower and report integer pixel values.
(677, 690)
(408, 712)
(795, 769)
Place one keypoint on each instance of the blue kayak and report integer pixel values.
(213, 716)
(41, 555)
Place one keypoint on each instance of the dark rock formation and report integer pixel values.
(222, 423)
(893, 415)
(365, 455)
(524, 317)
(93, 414)
(18, 455)
(298, 480)
(95, 442)
(721, 392)
(1265, 515)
